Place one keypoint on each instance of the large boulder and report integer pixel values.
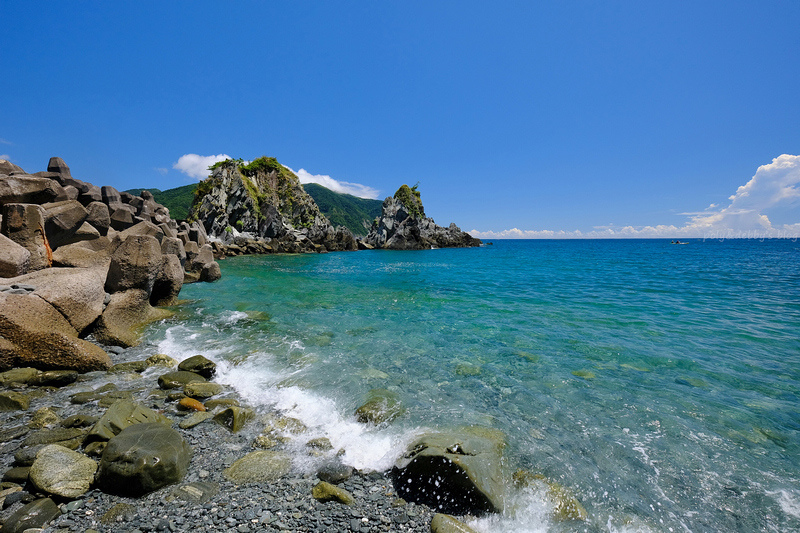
(42, 338)
(99, 216)
(82, 256)
(168, 282)
(125, 316)
(174, 246)
(455, 472)
(24, 224)
(143, 458)
(15, 260)
(62, 221)
(7, 168)
(62, 472)
(25, 189)
(56, 164)
(134, 264)
(77, 293)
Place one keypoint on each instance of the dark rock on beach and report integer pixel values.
(143, 458)
(455, 472)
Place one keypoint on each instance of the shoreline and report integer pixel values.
(204, 500)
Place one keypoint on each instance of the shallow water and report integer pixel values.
(660, 383)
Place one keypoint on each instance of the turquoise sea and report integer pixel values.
(660, 383)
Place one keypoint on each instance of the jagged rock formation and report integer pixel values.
(96, 261)
(261, 207)
(404, 226)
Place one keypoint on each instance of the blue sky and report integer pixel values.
(517, 118)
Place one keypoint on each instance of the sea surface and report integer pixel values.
(659, 383)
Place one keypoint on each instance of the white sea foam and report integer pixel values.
(258, 382)
(789, 500)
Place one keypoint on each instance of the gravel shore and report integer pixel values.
(204, 500)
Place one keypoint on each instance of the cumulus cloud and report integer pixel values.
(5, 156)
(356, 189)
(774, 191)
(196, 166)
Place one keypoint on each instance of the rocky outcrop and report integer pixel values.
(262, 205)
(404, 226)
(99, 258)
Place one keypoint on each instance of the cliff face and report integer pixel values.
(264, 202)
(404, 226)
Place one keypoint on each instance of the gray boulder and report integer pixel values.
(15, 260)
(121, 218)
(81, 256)
(99, 216)
(456, 472)
(174, 246)
(62, 472)
(143, 228)
(125, 316)
(168, 282)
(210, 272)
(24, 224)
(42, 338)
(25, 189)
(7, 168)
(56, 164)
(134, 264)
(62, 220)
(77, 293)
(143, 458)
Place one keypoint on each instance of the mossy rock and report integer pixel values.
(381, 407)
(258, 467)
(566, 506)
(327, 492)
(143, 458)
(14, 401)
(234, 418)
(444, 523)
(178, 379)
(121, 415)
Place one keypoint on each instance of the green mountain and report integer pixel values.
(177, 200)
(346, 210)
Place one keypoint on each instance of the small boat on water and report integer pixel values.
(679, 242)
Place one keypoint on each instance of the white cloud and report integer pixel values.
(773, 191)
(3, 141)
(356, 189)
(196, 166)
(161, 170)
(5, 156)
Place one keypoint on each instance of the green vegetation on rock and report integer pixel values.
(411, 200)
(177, 200)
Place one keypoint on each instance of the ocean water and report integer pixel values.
(659, 383)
